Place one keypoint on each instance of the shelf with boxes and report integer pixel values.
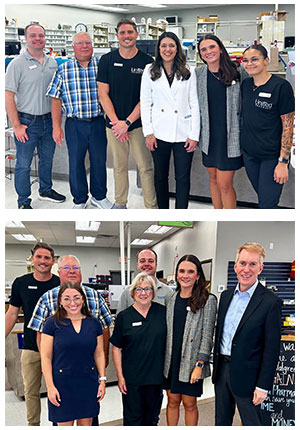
(60, 40)
(149, 31)
(205, 25)
(99, 34)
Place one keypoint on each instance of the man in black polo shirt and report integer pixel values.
(26, 290)
(119, 81)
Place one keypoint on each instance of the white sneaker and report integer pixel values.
(102, 204)
(79, 206)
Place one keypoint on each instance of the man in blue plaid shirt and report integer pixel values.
(74, 92)
(69, 270)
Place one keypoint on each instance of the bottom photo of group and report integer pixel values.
(139, 323)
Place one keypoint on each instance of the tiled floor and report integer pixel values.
(135, 200)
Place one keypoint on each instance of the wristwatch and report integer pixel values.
(102, 378)
(127, 122)
(199, 364)
(283, 160)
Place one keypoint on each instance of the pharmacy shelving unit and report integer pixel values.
(99, 33)
(204, 27)
(60, 39)
(149, 31)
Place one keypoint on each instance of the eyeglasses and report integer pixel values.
(67, 300)
(252, 60)
(88, 42)
(146, 290)
(70, 267)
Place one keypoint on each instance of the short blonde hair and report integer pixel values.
(252, 247)
(141, 277)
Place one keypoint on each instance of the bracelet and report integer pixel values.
(150, 135)
(102, 378)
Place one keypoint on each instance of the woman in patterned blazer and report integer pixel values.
(218, 86)
(191, 314)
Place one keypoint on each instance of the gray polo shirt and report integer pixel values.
(29, 79)
(163, 292)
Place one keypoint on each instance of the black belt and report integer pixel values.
(226, 358)
(29, 116)
(87, 119)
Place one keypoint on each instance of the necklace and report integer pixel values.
(215, 74)
(254, 88)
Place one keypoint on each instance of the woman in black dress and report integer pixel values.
(218, 85)
(73, 361)
(191, 314)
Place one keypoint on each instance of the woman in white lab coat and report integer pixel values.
(170, 118)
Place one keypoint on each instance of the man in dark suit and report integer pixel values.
(247, 342)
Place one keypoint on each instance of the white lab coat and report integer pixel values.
(170, 113)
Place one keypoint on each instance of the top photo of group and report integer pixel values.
(154, 106)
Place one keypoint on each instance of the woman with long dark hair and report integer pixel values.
(191, 314)
(268, 106)
(218, 85)
(170, 118)
(73, 361)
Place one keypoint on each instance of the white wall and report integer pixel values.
(199, 240)
(105, 258)
(50, 16)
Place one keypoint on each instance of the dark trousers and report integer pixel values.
(182, 163)
(141, 404)
(83, 136)
(261, 172)
(225, 402)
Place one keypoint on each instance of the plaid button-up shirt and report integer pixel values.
(46, 307)
(77, 89)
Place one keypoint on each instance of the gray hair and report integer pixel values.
(59, 261)
(141, 277)
(78, 34)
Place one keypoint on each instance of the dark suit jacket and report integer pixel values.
(256, 343)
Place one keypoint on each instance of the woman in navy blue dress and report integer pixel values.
(73, 358)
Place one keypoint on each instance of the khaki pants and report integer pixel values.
(142, 155)
(32, 375)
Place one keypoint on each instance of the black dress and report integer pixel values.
(217, 153)
(74, 370)
(172, 382)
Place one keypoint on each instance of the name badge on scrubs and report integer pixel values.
(34, 66)
(188, 308)
(32, 287)
(135, 324)
(267, 95)
(118, 64)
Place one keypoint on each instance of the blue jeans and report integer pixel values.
(260, 173)
(39, 132)
(182, 163)
(83, 136)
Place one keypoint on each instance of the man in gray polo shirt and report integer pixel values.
(147, 262)
(29, 111)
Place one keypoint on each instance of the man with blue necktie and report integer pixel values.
(247, 342)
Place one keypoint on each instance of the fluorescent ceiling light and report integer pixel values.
(14, 224)
(85, 239)
(152, 5)
(24, 237)
(157, 229)
(141, 242)
(87, 225)
(97, 7)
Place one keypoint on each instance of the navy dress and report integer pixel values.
(74, 371)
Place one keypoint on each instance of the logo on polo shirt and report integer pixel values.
(137, 70)
(263, 105)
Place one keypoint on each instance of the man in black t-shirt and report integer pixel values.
(26, 290)
(119, 80)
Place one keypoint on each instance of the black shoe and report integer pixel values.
(25, 206)
(52, 196)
